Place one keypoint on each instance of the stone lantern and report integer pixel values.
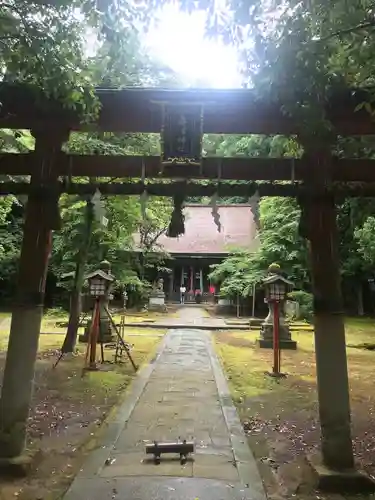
(276, 288)
(101, 281)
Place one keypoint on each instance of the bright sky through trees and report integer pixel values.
(177, 40)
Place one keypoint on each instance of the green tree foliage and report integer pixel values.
(16, 141)
(279, 242)
(119, 61)
(237, 274)
(76, 251)
(124, 213)
(366, 241)
(49, 43)
(106, 242)
(43, 44)
(11, 226)
(11, 213)
(114, 242)
(298, 53)
(250, 146)
(352, 218)
(155, 220)
(305, 302)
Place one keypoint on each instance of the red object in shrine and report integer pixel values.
(94, 335)
(276, 339)
(212, 290)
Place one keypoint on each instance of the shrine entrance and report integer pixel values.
(182, 117)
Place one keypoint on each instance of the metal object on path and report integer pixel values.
(110, 461)
(183, 448)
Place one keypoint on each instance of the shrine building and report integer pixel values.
(204, 244)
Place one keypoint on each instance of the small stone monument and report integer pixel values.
(275, 278)
(223, 306)
(157, 297)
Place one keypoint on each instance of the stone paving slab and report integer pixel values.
(190, 317)
(135, 464)
(158, 488)
(216, 324)
(183, 395)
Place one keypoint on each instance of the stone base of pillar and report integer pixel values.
(105, 339)
(255, 323)
(284, 344)
(105, 334)
(157, 302)
(337, 481)
(19, 466)
(266, 337)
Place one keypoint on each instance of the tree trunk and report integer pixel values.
(141, 265)
(75, 302)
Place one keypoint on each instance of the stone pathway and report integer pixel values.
(190, 316)
(181, 394)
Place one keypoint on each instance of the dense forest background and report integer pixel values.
(309, 49)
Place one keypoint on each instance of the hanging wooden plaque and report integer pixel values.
(181, 134)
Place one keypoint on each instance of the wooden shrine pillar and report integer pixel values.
(318, 225)
(171, 285)
(42, 216)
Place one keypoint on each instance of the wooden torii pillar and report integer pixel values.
(318, 225)
(42, 216)
(335, 468)
(318, 221)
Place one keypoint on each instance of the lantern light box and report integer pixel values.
(276, 288)
(99, 282)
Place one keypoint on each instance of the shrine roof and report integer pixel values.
(238, 231)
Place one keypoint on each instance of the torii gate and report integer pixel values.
(315, 180)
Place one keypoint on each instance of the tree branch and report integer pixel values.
(156, 236)
(348, 31)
